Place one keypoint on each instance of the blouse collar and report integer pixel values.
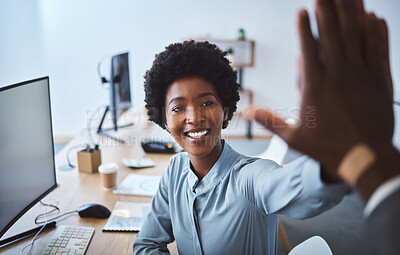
(225, 161)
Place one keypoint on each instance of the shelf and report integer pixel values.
(243, 50)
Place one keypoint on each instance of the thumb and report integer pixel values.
(269, 121)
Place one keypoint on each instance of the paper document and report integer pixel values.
(137, 184)
(138, 163)
(127, 216)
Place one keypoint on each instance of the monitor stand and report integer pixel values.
(26, 234)
(103, 132)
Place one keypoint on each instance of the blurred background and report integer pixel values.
(66, 40)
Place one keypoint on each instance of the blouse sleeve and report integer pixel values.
(295, 190)
(156, 231)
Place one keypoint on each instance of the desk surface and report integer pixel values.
(77, 188)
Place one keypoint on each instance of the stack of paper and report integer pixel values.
(127, 216)
(137, 184)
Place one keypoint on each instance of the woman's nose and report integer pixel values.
(194, 116)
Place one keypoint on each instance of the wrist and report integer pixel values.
(357, 160)
(386, 166)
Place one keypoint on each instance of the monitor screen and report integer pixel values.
(120, 86)
(27, 171)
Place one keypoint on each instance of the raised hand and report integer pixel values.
(346, 85)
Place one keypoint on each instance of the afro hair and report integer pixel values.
(187, 59)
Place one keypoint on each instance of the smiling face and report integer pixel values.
(194, 116)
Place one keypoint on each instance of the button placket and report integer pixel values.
(196, 241)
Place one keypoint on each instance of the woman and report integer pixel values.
(211, 199)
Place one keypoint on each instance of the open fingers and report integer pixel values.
(384, 38)
(350, 15)
(300, 74)
(329, 33)
(373, 49)
(310, 60)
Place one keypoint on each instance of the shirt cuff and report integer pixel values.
(381, 193)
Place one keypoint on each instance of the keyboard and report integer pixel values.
(69, 240)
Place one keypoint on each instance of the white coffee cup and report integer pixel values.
(108, 173)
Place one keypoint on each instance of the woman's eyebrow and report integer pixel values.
(199, 96)
(206, 94)
(175, 99)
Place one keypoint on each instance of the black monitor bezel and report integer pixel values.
(117, 109)
(18, 216)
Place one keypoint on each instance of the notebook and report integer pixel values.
(137, 184)
(127, 216)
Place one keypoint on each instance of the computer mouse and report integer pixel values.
(94, 211)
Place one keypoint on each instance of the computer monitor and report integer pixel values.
(27, 169)
(120, 92)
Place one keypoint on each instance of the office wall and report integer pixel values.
(79, 33)
(21, 43)
(66, 40)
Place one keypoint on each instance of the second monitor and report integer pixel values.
(120, 93)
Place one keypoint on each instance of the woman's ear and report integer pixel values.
(166, 126)
(225, 114)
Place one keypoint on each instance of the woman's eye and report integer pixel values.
(177, 109)
(208, 103)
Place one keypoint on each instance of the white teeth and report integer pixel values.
(197, 134)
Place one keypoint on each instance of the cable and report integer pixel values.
(34, 238)
(92, 142)
(43, 215)
(103, 79)
(56, 208)
(71, 166)
(71, 149)
(50, 205)
(45, 222)
(52, 219)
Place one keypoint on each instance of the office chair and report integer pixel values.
(315, 245)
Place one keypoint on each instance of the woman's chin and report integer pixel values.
(200, 147)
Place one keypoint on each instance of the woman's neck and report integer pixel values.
(202, 165)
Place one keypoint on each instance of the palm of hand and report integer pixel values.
(334, 111)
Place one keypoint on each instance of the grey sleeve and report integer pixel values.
(383, 226)
(295, 190)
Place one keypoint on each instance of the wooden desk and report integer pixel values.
(76, 189)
